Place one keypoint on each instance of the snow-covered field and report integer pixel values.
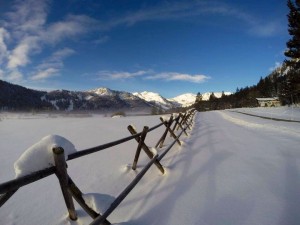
(232, 169)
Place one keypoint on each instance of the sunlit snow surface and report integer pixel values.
(232, 169)
(40, 156)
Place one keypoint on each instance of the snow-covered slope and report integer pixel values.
(206, 95)
(102, 91)
(184, 100)
(188, 99)
(155, 99)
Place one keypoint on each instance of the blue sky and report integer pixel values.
(169, 47)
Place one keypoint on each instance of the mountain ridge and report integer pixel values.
(16, 97)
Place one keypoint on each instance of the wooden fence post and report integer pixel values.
(176, 123)
(172, 134)
(77, 195)
(62, 175)
(181, 122)
(163, 137)
(6, 196)
(146, 149)
(139, 148)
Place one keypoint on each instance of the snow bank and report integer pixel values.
(39, 156)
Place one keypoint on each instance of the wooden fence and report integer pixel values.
(180, 123)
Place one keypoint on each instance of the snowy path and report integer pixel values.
(237, 174)
(233, 169)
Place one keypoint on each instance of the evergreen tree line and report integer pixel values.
(283, 82)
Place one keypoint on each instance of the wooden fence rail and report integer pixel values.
(69, 188)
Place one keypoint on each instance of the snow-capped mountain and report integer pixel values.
(189, 99)
(15, 97)
(97, 99)
(155, 99)
(206, 95)
(184, 100)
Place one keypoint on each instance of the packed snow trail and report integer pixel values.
(235, 174)
(232, 169)
(229, 174)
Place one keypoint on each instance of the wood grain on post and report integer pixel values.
(139, 148)
(146, 149)
(62, 175)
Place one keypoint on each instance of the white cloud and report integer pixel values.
(151, 75)
(52, 66)
(27, 17)
(4, 35)
(191, 9)
(266, 29)
(62, 53)
(173, 76)
(1, 74)
(15, 75)
(29, 34)
(115, 75)
(101, 40)
(45, 74)
(72, 26)
(20, 55)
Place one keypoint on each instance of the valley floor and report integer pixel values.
(232, 169)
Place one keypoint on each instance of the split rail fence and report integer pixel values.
(180, 123)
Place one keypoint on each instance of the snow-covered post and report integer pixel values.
(62, 175)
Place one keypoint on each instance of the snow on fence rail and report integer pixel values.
(69, 188)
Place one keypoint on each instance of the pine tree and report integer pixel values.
(198, 97)
(293, 50)
(223, 94)
(293, 45)
(212, 97)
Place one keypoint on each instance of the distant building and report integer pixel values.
(268, 102)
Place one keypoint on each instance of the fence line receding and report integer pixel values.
(70, 191)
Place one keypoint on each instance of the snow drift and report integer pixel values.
(39, 156)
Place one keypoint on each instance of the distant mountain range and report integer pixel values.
(15, 97)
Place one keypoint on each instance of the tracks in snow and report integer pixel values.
(275, 126)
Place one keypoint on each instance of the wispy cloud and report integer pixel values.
(1, 74)
(27, 17)
(192, 9)
(15, 75)
(20, 54)
(4, 35)
(101, 40)
(173, 76)
(45, 74)
(52, 66)
(119, 75)
(25, 32)
(70, 27)
(151, 75)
